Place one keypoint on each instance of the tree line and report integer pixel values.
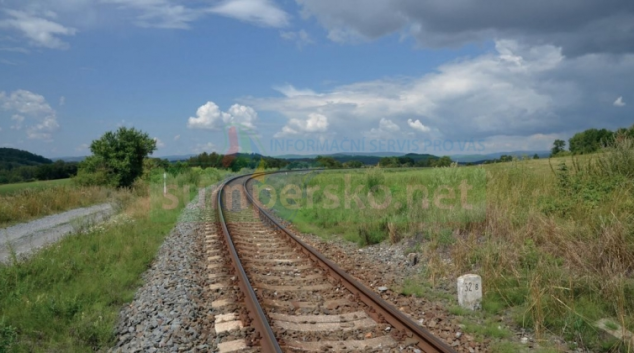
(235, 162)
(385, 162)
(17, 166)
(590, 141)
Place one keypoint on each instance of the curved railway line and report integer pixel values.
(274, 293)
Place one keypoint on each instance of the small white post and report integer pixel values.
(470, 291)
(164, 183)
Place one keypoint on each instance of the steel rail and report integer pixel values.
(268, 342)
(380, 310)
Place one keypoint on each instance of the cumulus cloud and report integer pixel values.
(177, 137)
(417, 125)
(387, 129)
(579, 26)
(260, 12)
(619, 102)
(40, 32)
(516, 90)
(301, 37)
(314, 124)
(210, 117)
(30, 112)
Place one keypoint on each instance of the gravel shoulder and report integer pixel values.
(27, 238)
(170, 312)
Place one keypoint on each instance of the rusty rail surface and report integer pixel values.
(380, 310)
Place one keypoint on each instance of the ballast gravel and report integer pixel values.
(167, 314)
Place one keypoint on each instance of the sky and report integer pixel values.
(314, 76)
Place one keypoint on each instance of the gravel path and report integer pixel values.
(26, 238)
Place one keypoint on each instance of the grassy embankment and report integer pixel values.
(68, 296)
(555, 246)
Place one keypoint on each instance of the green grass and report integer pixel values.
(67, 297)
(384, 199)
(7, 189)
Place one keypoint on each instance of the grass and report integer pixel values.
(369, 206)
(552, 239)
(7, 189)
(67, 297)
(27, 203)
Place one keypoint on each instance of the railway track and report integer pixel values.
(274, 293)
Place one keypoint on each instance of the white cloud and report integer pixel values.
(159, 143)
(260, 12)
(18, 122)
(177, 137)
(513, 91)
(619, 102)
(31, 111)
(314, 124)
(39, 31)
(209, 117)
(387, 128)
(301, 37)
(84, 147)
(160, 13)
(290, 91)
(417, 125)
(62, 101)
(388, 125)
(242, 115)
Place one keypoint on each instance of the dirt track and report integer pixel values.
(27, 237)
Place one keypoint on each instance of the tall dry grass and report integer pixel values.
(558, 247)
(29, 204)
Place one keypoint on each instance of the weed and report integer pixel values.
(8, 336)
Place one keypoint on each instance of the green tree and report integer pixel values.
(353, 164)
(590, 141)
(328, 162)
(444, 161)
(506, 158)
(558, 146)
(118, 157)
(535, 156)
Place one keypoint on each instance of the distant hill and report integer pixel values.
(12, 158)
(72, 159)
(480, 158)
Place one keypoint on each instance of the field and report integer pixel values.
(7, 189)
(67, 297)
(553, 240)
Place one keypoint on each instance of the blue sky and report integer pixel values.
(423, 73)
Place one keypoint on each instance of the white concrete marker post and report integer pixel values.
(470, 291)
(164, 183)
